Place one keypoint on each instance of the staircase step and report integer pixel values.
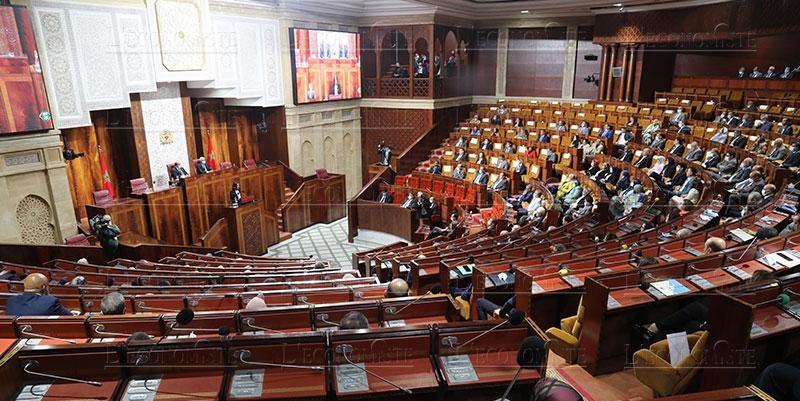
(283, 236)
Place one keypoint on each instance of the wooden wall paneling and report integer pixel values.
(583, 67)
(211, 120)
(168, 216)
(397, 127)
(272, 187)
(536, 61)
(83, 173)
(654, 73)
(140, 139)
(188, 123)
(484, 69)
(217, 236)
(273, 143)
(247, 138)
(128, 214)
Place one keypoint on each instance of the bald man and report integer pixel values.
(714, 245)
(397, 288)
(36, 300)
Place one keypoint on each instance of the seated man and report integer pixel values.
(481, 178)
(435, 168)
(202, 167)
(113, 303)
(410, 202)
(502, 163)
(397, 288)
(714, 245)
(36, 300)
(177, 172)
(384, 197)
(353, 320)
(459, 172)
(500, 184)
(781, 381)
(488, 308)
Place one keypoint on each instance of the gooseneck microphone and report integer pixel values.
(245, 354)
(186, 315)
(142, 306)
(100, 328)
(529, 356)
(28, 330)
(33, 364)
(435, 290)
(515, 318)
(250, 322)
(346, 349)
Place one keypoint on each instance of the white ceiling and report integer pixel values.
(484, 9)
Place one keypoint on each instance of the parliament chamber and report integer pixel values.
(406, 200)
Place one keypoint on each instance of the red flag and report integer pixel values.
(106, 177)
(211, 161)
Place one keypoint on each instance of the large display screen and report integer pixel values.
(326, 65)
(23, 102)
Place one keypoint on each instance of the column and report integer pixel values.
(570, 59)
(603, 78)
(502, 62)
(610, 78)
(624, 76)
(631, 63)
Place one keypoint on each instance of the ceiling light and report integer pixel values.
(525, 12)
(617, 4)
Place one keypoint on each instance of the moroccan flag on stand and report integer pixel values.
(106, 177)
(212, 162)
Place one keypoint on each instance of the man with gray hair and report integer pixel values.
(353, 320)
(113, 304)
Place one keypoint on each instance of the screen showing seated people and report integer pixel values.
(326, 65)
(23, 103)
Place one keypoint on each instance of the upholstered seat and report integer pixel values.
(138, 186)
(652, 366)
(566, 338)
(77, 240)
(102, 197)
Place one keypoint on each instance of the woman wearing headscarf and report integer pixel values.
(658, 167)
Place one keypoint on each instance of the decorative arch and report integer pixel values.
(368, 61)
(330, 154)
(421, 47)
(34, 218)
(394, 49)
(307, 154)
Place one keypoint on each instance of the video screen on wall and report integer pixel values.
(326, 65)
(23, 102)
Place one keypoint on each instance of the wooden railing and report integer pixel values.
(369, 191)
(217, 236)
(405, 162)
(39, 254)
(315, 201)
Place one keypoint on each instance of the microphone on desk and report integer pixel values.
(435, 290)
(245, 354)
(762, 233)
(186, 315)
(249, 322)
(529, 356)
(33, 364)
(100, 328)
(27, 329)
(142, 306)
(515, 318)
(346, 349)
(323, 317)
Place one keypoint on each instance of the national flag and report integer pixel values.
(211, 160)
(106, 177)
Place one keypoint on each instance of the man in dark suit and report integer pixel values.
(521, 169)
(481, 178)
(36, 300)
(793, 158)
(678, 148)
(177, 172)
(683, 129)
(786, 128)
(766, 124)
(742, 173)
(658, 142)
(384, 197)
(711, 160)
(384, 153)
(410, 202)
(695, 152)
(436, 168)
(202, 167)
(461, 155)
(738, 140)
(235, 194)
(645, 161)
(459, 172)
(627, 155)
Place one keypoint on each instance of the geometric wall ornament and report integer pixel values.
(34, 219)
(165, 132)
(181, 29)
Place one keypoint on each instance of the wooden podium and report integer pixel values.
(251, 230)
(127, 213)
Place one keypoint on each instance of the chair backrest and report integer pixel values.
(138, 185)
(77, 239)
(226, 165)
(101, 197)
(249, 163)
(322, 173)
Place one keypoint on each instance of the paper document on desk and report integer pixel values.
(670, 287)
(678, 348)
(741, 235)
